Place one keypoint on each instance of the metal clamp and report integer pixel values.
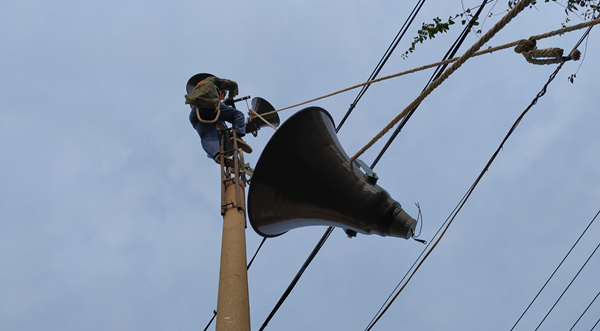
(371, 176)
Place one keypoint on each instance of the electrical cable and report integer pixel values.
(258, 249)
(384, 59)
(563, 293)
(468, 194)
(211, 320)
(586, 309)
(555, 270)
(554, 74)
(298, 275)
(436, 74)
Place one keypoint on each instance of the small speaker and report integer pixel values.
(261, 106)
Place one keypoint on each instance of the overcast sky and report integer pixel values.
(109, 208)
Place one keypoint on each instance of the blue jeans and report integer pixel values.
(208, 131)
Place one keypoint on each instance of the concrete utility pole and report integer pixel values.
(233, 304)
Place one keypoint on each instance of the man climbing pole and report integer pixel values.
(207, 111)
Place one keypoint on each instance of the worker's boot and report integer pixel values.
(243, 145)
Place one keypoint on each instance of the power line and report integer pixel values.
(563, 293)
(586, 309)
(384, 59)
(257, 250)
(555, 270)
(535, 101)
(211, 320)
(468, 194)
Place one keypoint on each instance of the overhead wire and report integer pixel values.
(567, 288)
(383, 60)
(555, 270)
(380, 313)
(256, 253)
(583, 37)
(585, 311)
(465, 198)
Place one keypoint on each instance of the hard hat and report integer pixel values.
(192, 82)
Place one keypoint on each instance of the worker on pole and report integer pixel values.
(207, 110)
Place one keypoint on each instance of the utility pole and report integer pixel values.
(233, 304)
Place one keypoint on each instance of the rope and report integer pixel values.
(468, 54)
(253, 113)
(533, 55)
(216, 116)
(428, 66)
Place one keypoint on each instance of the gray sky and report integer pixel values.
(109, 208)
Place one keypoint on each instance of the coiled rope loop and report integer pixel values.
(533, 55)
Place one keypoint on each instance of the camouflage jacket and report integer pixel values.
(208, 93)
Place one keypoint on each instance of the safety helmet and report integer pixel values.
(192, 82)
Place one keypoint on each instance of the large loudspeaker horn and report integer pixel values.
(261, 106)
(303, 177)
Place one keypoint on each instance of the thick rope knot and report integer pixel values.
(533, 55)
(525, 45)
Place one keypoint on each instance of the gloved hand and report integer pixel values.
(229, 102)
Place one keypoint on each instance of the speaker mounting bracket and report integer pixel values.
(371, 176)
